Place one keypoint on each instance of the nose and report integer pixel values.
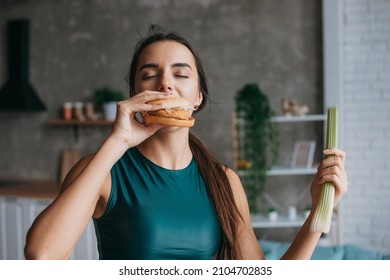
(164, 87)
(165, 84)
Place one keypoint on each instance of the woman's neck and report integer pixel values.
(168, 149)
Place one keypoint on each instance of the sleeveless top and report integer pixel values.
(157, 213)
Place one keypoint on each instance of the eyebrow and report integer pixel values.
(181, 64)
(155, 65)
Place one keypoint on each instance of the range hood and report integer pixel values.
(17, 94)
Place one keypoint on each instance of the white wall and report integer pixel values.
(365, 98)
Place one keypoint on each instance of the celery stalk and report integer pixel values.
(323, 213)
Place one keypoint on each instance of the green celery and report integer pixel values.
(323, 213)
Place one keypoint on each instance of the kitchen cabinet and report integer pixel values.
(20, 204)
(16, 217)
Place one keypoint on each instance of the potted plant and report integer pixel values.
(108, 99)
(258, 142)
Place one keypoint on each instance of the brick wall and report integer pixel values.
(366, 99)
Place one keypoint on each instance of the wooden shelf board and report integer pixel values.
(61, 122)
(37, 188)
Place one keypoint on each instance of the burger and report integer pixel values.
(177, 112)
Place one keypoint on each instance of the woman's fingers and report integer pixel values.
(127, 125)
(330, 174)
(335, 152)
(333, 157)
(332, 170)
(139, 102)
(330, 164)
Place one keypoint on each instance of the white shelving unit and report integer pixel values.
(285, 171)
(261, 222)
(304, 118)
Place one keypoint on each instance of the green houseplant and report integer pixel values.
(258, 142)
(108, 99)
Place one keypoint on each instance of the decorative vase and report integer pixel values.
(273, 215)
(109, 109)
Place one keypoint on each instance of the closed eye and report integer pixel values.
(148, 77)
(181, 76)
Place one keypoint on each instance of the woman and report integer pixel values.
(154, 191)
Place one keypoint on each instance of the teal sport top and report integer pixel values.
(156, 213)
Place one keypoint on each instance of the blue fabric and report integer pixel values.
(156, 213)
(274, 250)
(386, 257)
(353, 252)
(328, 253)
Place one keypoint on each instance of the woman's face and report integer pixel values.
(168, 66)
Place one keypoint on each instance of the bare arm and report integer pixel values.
(57, 229)
(305, 242)
(247, 243)
(332, 170)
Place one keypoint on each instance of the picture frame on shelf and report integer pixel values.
(303, 154)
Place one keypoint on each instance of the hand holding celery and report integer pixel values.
(323, 213)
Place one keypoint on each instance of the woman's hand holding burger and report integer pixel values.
(126, 126)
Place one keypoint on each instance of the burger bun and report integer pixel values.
(176, 112)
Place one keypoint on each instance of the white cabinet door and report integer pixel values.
(11, 229)
(16, 217)
(86, 247)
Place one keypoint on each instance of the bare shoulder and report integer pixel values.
(246, 239)
(237, 188)
(76, 170)
(234, 179)
(230, 173)
(105, 190)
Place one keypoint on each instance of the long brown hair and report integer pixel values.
(213, 172)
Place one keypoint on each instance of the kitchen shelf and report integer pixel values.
(77, 123)
(36, 188)
(62, 122)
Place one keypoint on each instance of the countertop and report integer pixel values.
(37, 188)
